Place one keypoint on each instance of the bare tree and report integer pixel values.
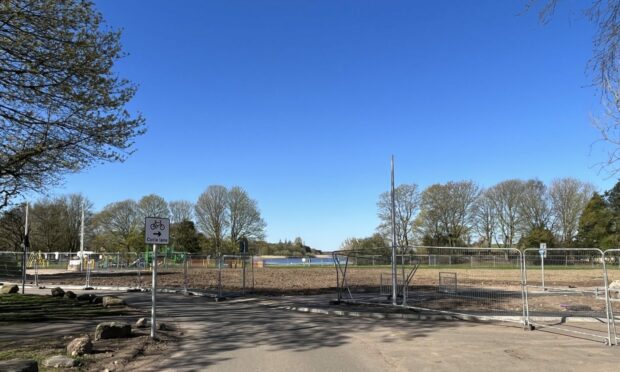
(569, 198)
(407, 202)
(153, 206)
(12, 229)
(604, 66)
(507, 197)
(62, 107)
(72, 219)
(244, 217)
(211, 213)
(120, 221)
(485, 220)
(451, 209)
(181, 210)
(535, 207)
(47, 226)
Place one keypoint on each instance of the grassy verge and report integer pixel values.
(37, 350)
(35, 308)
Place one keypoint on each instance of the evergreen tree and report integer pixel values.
(597, 223)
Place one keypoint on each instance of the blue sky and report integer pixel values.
(302, 103)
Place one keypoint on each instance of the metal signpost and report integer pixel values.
(243, 249)
(26, 244)
(543, 253)
(393, 212)
(156, 232)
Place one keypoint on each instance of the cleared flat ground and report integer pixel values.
(502, 289)
(300, 280)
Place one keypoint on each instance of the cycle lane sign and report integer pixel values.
(156, 230)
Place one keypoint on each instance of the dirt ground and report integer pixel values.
(111, 355)
(37, 326)
(569, 292)
(302, 280)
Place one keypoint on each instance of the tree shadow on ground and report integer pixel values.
(212, 329)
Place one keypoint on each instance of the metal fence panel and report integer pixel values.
(612, 265)
(11, 266)
(479, 281)
(568, 284)
(447, 279)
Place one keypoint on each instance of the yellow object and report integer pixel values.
(36, 258)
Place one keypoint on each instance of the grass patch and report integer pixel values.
(38, 350)
(36, 308)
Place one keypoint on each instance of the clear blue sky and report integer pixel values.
(303, 102)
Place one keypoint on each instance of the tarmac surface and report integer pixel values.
(263, 334)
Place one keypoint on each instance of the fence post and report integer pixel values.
(524, 300)
(607, 301)
(219, 277)
(185, 272)
(36, 273)
(139, 274)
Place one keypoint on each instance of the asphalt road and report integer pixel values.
(253, 335)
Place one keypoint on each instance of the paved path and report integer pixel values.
(255, 335)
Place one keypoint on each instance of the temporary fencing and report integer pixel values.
(458, 280)
(11, 265)
(611, 258)
(571, 284)
(221, 276)
(567, 290)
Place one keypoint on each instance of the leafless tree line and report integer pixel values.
(509, 214)
(219, 214)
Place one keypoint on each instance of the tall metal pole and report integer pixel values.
(394, 273)
(25, 256)
(82, 239)
(154, 293)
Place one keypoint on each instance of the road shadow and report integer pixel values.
(213, 329)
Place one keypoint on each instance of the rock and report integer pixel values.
(59, 361)
(112, 301)
(70, 294)
(112, 330)
(6, 289)
(58, 292)
(142, 323)
(86, 297)
(19, 365)
(80, 346)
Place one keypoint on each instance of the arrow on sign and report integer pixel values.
(157, 233)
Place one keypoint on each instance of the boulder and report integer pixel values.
(112, 301)
(86, 297)
(164, 327)
(80, 346)
(59, 361)
(10, 288)
(142, 323)
(58, 292)
(112, 330)
(70, 294)
(19, 365)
